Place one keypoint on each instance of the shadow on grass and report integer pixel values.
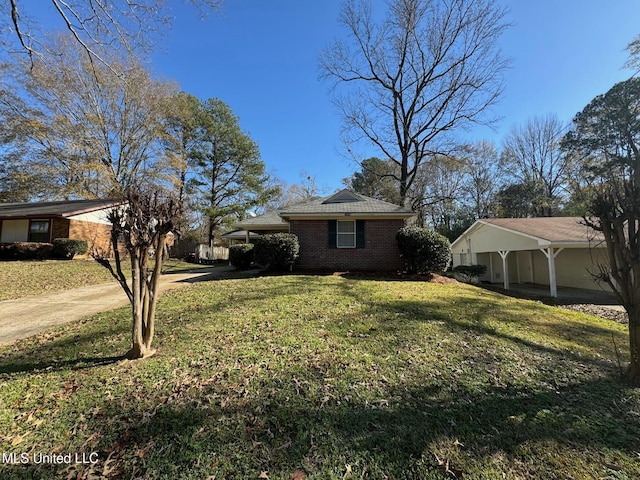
(486, 315)
(278, 431)
(66, 351)
(222, 273)
(566, 295)
(79, 363)
(239, 426)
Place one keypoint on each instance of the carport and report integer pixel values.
(546, 250)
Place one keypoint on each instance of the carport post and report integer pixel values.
(551, 255)
(505, 267)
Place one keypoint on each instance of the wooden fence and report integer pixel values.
(209, 253)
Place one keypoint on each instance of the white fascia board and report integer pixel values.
(475, 225)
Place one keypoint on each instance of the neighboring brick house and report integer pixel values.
(345, 231)
(44, 221)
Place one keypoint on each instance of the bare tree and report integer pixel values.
(532, 155)
(143, 222)
(290, 194)
(435, 193)
(431, 66)
(482, 178)
(125, 25)
(90, 131)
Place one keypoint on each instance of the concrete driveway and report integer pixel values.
(23, 317)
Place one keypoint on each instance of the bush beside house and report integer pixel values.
(67, 248)
(423, 250)
(25, 251)
(60, 249)
(241, 255)
(469, 273)
(277, 251)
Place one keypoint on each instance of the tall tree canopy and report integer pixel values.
(86, 130)
(404, 82)
(606, 134)
(375, 179)
(228, 176)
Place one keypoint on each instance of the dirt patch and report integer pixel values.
(608, 313)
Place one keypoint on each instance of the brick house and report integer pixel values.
(344, 231)
(44, 221)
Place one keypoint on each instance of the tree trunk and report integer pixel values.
(633, 372)
(140, 338)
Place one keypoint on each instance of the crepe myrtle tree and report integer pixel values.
(140, 225)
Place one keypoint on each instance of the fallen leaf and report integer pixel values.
(264, 475)
(299, 475)
(348, 471)
(17, 440)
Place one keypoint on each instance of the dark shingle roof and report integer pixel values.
(65, 208)
(346, 201)
(269, 219)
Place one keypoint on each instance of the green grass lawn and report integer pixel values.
(23, 279)
(323, 377)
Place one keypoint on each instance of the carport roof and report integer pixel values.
(546, 230)
(551, 229)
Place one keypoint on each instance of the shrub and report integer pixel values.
(471, 270)
(423, 250)
(277, 251)
(25, 251)
(241, 255)
(67, 248)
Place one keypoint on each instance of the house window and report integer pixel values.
(39, 230)
(346, 234)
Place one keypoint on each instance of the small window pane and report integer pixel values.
(39, 231)
(346, 227)
(346, 240)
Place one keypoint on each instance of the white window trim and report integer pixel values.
(338, 233)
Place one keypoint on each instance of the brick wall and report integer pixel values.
(97, 235)
(380, 252)
(59, 228)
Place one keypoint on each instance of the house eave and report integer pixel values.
(89, 210)
(359, 215)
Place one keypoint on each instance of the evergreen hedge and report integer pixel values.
(241, 255)
(277, 251)
(423, 250)
(66, 248)
(25, 251)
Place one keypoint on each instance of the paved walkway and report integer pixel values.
(23, 317)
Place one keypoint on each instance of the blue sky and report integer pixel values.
(260, 57)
